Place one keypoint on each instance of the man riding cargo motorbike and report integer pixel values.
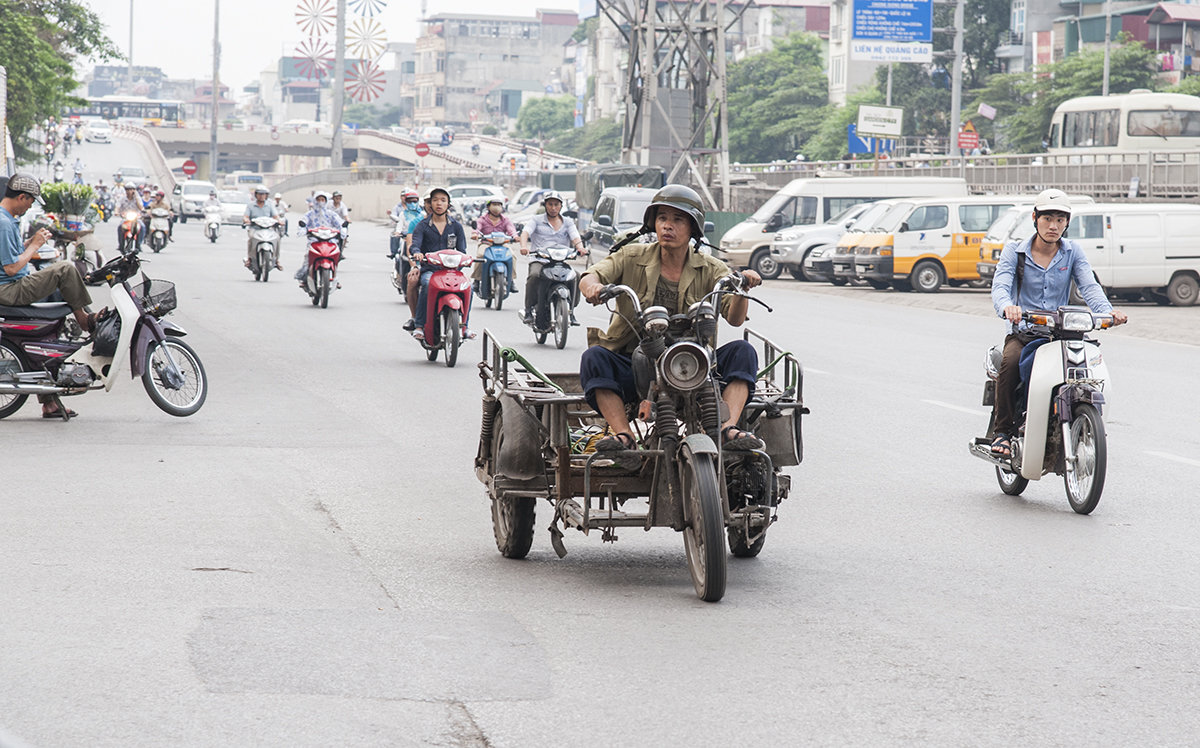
(671, 273)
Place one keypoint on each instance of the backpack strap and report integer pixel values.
(1020, 276)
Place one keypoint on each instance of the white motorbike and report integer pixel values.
(39, 356)
(212, 223)
(1061, 429)
(264, 233)
(160, 228)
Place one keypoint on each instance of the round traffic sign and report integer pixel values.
(189, 167)
(422, 149)
(473, 114)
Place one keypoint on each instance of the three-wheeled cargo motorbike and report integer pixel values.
(538, 432)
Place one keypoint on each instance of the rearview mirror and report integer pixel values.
(904, 227)
(604, 220)
(301, 223)
(709, 227)
(775, 222)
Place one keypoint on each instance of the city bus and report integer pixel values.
(134, 110)
(1138, 121)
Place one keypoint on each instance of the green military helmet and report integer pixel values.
(681, 198)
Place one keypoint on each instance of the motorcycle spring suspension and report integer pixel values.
(487, 428)
(710, 412)
(666, 423)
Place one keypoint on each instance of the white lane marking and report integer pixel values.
(1174, 458)
(811, 370)
(959, 408)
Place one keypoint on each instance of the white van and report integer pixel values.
(808, 201)
(1142, 249)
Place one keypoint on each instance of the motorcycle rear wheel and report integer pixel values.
(451, 335)
(188, 398)
(11, 357)
(512, 517)
(562, 322)
(703, 539)
(1085, 479)
(323, 287)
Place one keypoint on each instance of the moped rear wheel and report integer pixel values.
(512, 516)
(703, 538)
(185, 399)
(1085, 477)
(451, 332)
(12, 361)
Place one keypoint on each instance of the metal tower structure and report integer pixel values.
(675, 103)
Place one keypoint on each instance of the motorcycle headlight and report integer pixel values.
(558, 254)
(684, 366)
(451, 260)
(1078, 321)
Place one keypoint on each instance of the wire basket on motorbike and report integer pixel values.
(158, 297)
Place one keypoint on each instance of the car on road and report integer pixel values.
(189, 198)
(617, 209)
(522, 217)
(134, 175)
(472, 192)
(97, 131)
(791, 248)
(233, 205)
(509, 158)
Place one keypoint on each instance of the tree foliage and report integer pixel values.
(1025, 102)
(40, 43)
(546, 117)
(830, 140)
(777, 100)
(598, 141)
(371, 116)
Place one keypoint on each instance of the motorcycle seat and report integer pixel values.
(39, 310)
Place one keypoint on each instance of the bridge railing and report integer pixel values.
(397, 175)
(1148, 174)
(158, 162)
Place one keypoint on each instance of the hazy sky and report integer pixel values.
(176, 35)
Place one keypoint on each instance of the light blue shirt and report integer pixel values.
(1046, 288)
(542, 234)
(11, 247)
(266, 211)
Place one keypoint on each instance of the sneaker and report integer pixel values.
(574, 322)
(410, 325)
(418, 335)
(512, 287)
(468, 334)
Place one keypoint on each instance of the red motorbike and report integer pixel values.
(324, 253)
(131, 224)
(448, 304)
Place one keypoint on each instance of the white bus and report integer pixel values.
(1126, 123)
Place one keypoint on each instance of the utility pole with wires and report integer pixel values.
(675, 93)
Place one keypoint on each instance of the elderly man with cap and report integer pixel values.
(260, 208)
(1042, 268)
(18, 285)
(670, 272)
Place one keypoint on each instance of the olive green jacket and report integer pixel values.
(638, 266)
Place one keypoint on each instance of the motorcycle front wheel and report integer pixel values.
(265, 263)
(190, 395)
(1010, 483)
(499, 290)
(324, 281)
(703, 539)
(1085, 477)
(451, 332)
(562, 322)
(12, 361)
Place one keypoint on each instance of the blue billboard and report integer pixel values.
(893, 20)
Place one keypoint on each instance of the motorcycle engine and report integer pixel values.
(74, 375)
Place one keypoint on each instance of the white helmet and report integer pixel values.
(1052, 200)
(278, 195)
(322, 194)
(553, 195)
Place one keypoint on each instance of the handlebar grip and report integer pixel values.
(608, 292)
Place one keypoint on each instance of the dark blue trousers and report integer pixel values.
(602, 369)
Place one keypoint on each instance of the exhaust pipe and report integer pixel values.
(8, 388)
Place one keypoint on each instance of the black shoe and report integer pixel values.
(527, 317)
(410, 325)
(574, 322)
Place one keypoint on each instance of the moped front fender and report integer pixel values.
(149, 331)
(449, 301)
(1047, 374)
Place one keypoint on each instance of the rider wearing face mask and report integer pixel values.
(320, 215)
(1037, 274)
(670, 272)
(487, 224)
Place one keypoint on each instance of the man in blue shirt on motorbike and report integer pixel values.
(1042, 268)
(437, 232)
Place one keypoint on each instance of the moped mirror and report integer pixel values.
(709, 227)
(301, 223)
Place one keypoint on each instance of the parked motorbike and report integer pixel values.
(1061, 429)
(37, 357)
(264, 233)
(160, 228)
(448, 303)
(556, 300)
(131, 223)
(493, 286)
(324, 254)
(212, 223)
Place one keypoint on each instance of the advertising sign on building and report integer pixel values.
(1043, 48)
(892, 31)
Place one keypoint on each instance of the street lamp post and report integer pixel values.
(216, 92)
(1107, 44)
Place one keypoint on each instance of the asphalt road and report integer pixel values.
(309, 559)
